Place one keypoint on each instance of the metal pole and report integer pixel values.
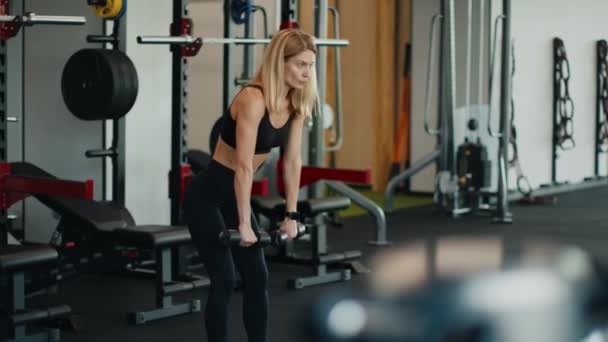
(415, 168)
(502, 209)
(600, 59)
(277, 15)
(32, 18)
(119, 133)
(482, 15)
(4, 95)
(317, 144)
(469, 53)
(248, 51)
(338, 122)
(316, 139)
(429, 79)
(367, 204)
(178, 115)
(228, 84)
(185, 39)
(447, 97)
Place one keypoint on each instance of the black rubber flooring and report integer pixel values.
(101, 302)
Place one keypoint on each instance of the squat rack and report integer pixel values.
(183, 44)
(11, 185)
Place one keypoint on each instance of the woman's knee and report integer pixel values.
(219, 266)
(223, 283)
(256, 278)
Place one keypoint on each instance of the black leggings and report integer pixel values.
(210, 207)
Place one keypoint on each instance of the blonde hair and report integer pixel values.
(285, 44)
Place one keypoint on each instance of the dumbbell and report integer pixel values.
(232, 237)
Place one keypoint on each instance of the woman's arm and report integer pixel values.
(292, 163)
(249, 112)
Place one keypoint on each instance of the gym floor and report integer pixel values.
(578, 218)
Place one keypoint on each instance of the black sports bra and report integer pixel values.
(268, 136)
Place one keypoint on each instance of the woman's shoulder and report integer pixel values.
(250, 96)
(249, 101)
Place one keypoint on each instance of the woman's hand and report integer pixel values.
(290, 227)
(248, 237)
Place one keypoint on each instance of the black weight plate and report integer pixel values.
(126, 83)
(99, 84)
(87, 85)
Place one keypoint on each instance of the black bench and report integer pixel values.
(311, 211)
(15, 260)
(90, 230)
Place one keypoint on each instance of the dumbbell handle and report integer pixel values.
(232, 237)
(301, 230)
(280, 237)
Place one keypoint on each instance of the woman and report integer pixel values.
(267, 113)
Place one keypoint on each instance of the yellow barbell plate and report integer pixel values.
(111, 10)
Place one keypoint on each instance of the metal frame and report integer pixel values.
(502, 214)
(228, 72)
(4, 224)
(556, 98)
(117, 150)
(179, 114)
(289, 13)
(600, 117)
(11, 26)
(445, 153)
(187, 39)
(326, 267)
(183, 44)
(20, 315)
(557, 187)
(166, 286)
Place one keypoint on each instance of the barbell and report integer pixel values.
(187, 39)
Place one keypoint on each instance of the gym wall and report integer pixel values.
(535, 24)
(579, 24)
(368, 88)
(52, 137)
(148, 124)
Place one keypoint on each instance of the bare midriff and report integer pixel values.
(226, 155)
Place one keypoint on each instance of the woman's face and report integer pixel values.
(299, 68)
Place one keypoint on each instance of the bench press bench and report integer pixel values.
(90, 230)
(312, 212)
(319, 258)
